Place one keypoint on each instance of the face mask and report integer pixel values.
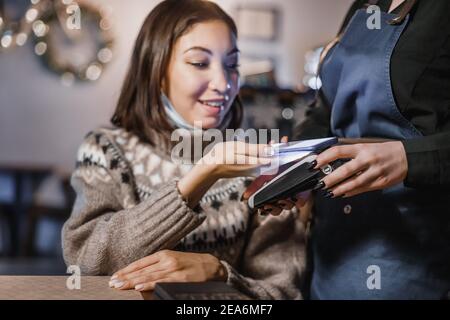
(179, 121)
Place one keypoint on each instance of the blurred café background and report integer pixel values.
(61, 67)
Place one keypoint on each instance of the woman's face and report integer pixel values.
(202, 79)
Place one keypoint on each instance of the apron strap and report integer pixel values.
(406, 8)
(404, 11)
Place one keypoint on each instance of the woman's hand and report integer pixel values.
(168, 266)
(374, 166)
(224, 160)
(298, 201)
(285, 204)
(236, 158)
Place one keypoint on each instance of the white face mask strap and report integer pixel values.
(173, 114)
(179, 121)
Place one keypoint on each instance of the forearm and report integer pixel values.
(101, 237)
(196, 183)
(428, 160)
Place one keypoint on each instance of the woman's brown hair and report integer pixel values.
(139, 108)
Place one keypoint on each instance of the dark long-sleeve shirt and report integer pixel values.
(420, 75)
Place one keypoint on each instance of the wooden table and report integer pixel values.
(54, 288)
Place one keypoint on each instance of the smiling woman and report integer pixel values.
(144, 218)
(203, 79)
(188, 68)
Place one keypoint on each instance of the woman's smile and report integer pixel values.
(214, 107)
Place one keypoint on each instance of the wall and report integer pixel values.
(43, 122)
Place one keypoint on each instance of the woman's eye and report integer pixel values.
(200, 65)
(234, 66)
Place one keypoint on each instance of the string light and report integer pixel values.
(93, 72)
(31, 15)
(21, 39)
(40, 48)
(10, 37)
(90, 71)
(104, 55)
(6, 40)
(40, 29)
(36, 23)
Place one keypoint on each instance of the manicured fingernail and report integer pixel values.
(311, 165)
(119, 284)
(114, 277)
(111, 284)
(319, 185)
(329, 194)
(139, 287)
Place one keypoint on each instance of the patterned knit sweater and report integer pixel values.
(128, 206)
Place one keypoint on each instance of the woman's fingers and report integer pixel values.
(373, 182)
(236, 152)
(247, 160)
(239, 162)
(343, 172)
(363, 180)
(137, 265)
(255, 150)
(239, 152)
(271, 209)
(249, 149)
(149, 286)
(249, 169)
(143, 278)
(334, 153)
(285, 204)
(284, 139)
(366, 188)
(155, 268)
(278, 208)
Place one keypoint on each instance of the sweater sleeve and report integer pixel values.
(428, 161)
(273, 264)
(102, 236)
